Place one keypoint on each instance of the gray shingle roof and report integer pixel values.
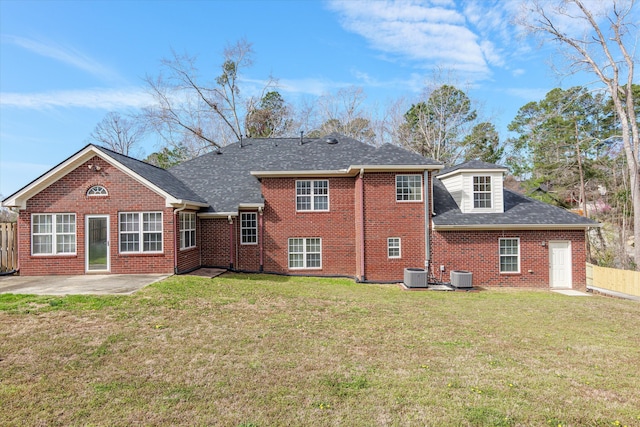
(157, 176)
(518, 210)
(223, 178)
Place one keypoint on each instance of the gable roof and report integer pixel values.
(158, 180)
(473, 166)
(228, 178)
(519, 212)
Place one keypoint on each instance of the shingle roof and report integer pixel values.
(518, 210)
(223, 178)
(157, 176)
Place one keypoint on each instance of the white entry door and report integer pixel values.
(560, 264)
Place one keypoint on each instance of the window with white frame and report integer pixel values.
(187, 230)
(312, 195)
(53, 234)
(249, 228)
(393, 247)
(510, 255)
(97, 190)
(482, 192)
(305, 253)
(140, 232)
(408, 188)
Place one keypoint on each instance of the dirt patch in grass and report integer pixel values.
(261, 350)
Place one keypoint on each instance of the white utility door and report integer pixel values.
(560, 264)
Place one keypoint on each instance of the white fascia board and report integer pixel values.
(554, 227)
(188, 204)
(306, 173)
(20, 197)
(351, 171)
(216, 214)
(473, 171)
(392, 168)
(251, 205)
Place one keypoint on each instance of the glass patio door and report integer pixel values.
(97, 248)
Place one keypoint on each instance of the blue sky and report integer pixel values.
(65, 64)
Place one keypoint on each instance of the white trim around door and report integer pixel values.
(560, 264)
(97, 244)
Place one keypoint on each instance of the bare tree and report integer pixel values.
(603, 45)
(200, 115)
(118, 133)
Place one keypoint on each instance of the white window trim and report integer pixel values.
(420, 188)
(304, 253)
(312, 195)
(501, 255)
(490, 193)
(185, 230)
(399, 247)
(242, 227)
(54, 235)
(141, 233)
(101, 188)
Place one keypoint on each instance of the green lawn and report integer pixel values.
(263, 350)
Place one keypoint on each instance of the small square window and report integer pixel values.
(408, 188)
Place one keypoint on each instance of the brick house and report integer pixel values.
(330, 206)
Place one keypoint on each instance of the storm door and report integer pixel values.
(97, 248)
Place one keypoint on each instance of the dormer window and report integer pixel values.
(97, 190)
(481, 192)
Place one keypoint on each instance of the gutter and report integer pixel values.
(176, 237)
(362, 252)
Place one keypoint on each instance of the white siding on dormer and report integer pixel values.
(460, 186)
(453, 185)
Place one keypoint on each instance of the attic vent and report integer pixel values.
(331, 141)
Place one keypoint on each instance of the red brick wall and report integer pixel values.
(335, 227)
(478, 252)
(188, 259)
(384, 218)
(214, 241)
(68, 195)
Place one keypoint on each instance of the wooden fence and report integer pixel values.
(612, 279)
(8, 246)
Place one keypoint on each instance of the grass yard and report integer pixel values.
(258, 350)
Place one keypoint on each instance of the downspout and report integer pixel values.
(261, 238)
(362, 263)
(231, 249)
(176, 237)
(427, 224)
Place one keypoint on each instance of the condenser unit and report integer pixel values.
(461, 279)
(415, 277)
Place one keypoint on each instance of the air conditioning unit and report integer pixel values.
(461, 279)
(415, 277)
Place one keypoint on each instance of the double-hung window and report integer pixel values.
(482, 192)
(510, 255)
(248, 228)
(53, 234)
(140, 232)
(187, 230)
(408, 188)
(393, 247)
(312, 195)
(305, 253)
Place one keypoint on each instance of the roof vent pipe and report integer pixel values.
(301, 135)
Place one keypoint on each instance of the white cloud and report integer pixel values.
(431, 34)
(106, 99)
(64, 54)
